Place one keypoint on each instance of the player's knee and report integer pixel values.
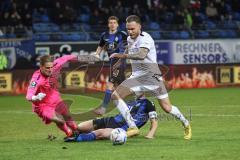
(167, 109)
(99, 133)
(114, 96)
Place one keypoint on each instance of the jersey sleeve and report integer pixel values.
(59, 62)
(150, 106)
(146, 42)
(102, 42)
(33, 86)
(123, 42)
(151, 110)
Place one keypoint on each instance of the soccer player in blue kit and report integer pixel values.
(112, 41)
(141, 110)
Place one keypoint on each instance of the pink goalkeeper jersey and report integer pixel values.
(48, 85)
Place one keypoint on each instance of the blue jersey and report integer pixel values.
(139, 110)
(113, 43)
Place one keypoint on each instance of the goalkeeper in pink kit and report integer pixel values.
(45, 97)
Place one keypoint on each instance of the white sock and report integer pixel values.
(176, 113)
(122, 107)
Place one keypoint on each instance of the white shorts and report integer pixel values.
(150, 83)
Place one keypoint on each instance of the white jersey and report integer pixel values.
(139, 67)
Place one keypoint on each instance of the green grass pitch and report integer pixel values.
(215, 115)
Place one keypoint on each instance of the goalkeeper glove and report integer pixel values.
(38, 97)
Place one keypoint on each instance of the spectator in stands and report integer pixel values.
(16, 13)
(26, 14)
(195, 5)
(223, 11)
(211, 11)
(57, 13)
(6, 5)
(159, 11)
(235, 5)
(40, 5)
(69, 15)
(119, 11)
(136, 10)
(15, 18)
(197, 20)
(188, 19)
(1, 33)
(188, 22)
(96, 18)
(179, 20)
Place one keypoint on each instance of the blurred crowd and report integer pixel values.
(19, 15)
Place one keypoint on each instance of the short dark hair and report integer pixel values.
(45, 59)
(113, 18)
(133, 18)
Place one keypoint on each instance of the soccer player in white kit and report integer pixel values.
(145, 76)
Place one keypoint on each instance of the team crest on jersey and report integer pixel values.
(33, 84)
(138, 104)
(116, 38)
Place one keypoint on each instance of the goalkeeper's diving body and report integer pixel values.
(45, 97)
(141, 110)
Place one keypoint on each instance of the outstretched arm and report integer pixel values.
(140, 55)
(59, 62)
(153, 128)
(154, 124)
(99, 50)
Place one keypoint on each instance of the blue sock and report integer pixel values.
(107, 98)
(86, 137)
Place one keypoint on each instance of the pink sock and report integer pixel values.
(65, 129)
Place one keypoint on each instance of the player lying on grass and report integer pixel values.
(141, 110)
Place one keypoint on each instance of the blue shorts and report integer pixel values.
(108, 122)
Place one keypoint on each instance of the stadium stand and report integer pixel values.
(59, 20)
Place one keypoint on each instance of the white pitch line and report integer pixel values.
(72, 110)
(215, 115)
(16, 112)
(232, 105)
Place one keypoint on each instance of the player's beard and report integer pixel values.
(134, 35)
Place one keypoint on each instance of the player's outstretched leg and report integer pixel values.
(107, 98)
(122, 107)
(187, 127)
(61, 124)
(173, 110)
(95, 135)
(65, 129)
(84, 137)
(62, 113)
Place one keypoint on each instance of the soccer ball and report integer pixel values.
(118, 136)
